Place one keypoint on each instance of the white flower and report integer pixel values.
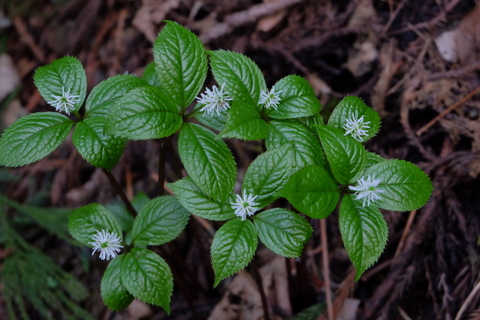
(66, 102)
(214, 101)
(270, 99)
(366, 189)
(357, 128)
(245, 206)
(107, 243)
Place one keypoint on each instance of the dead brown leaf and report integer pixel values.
(150, 14)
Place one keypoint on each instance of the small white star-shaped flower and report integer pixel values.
(270, 99)
(244, 206)
(357, 128)
(367, 190)
(66, 102)
(214, 101)
(107, 243)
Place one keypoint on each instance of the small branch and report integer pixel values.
(405, 233)
(455, 73)
(259, 282)
(240, 18)
(120, 192)
(28, 39)
(467, 301)
(326, 268)
(448, 110)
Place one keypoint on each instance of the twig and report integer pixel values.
(429, 24)
(120, 192)
(448, 110)
(408, 226)
(28, 39)
(393, 16)
(318, 40)
(403, 314)
(326, 268)
(412, 243)
(455, 73)
(467, 301)
(413, 69)
(243, 17)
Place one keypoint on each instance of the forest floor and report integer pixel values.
(416, 63)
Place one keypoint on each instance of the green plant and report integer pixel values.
(29, 277)
(316, 167)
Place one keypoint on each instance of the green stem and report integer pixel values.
(191, 113)
(77, 115)
(162, 157)
(120, 192)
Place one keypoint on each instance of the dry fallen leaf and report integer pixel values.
(269, 22)
(151, 13)
(362, 56)
(462, 44)
(349, 310)
(9, 77)
(138, 310)
(241, 301)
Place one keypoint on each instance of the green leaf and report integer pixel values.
(148, 277)
(160, 221)
(107, 92)
(144, 113)
(33, 137)
(283, 231)
(244, 122)
(66, 73)
(214, 121)
(346, 157)
(313, 119)
(268, 174)
(306, 145)
(297, 99)
(233, 248)
(312, 191)
(180, 62)
(86, 221)
(240, 76)
(150, 75)
(208, 161)
(312, 312)
(373, 158)
(140, 200)
(114, 293)
(99, 149)
(403, 186)
(121, 214)
(195, 201)
(352, 108)
(364, 233)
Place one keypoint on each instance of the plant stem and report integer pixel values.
(162, 157)
(258, 280)
(120, 192)
(326, 268)
(179, 278)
